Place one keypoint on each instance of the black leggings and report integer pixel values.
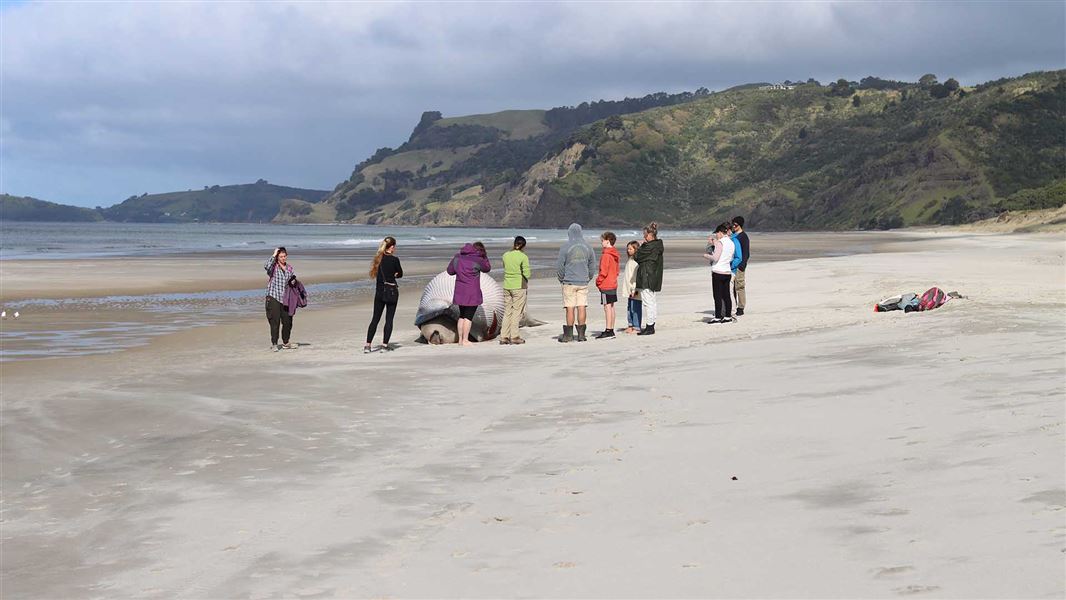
(723, 301)
(390, 312)
(279, 318)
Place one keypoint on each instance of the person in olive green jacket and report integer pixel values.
(650, 275)
(516, 275)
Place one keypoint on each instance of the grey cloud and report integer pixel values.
(106, 100)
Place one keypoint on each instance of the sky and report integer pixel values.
(100, 101)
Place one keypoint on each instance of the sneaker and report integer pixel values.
(289, 346)
(606, 334)
(714, 321)
(366, 349)
(740, 312)
(386, 347)
(728, 320)
(274, 348)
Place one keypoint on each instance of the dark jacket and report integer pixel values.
(650, 258)
(388, 272)
(467, 266)
(742, 237)
(295, 295)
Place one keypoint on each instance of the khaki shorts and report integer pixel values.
(575, 295)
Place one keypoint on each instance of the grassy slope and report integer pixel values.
(743, 151)
(24, 208)
(517, 124)
(253, 202)
(789, 159)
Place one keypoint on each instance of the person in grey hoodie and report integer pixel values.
(576, 267)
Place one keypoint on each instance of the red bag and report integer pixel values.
(934, 297)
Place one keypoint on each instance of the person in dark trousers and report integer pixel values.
(649, 257)
(279, 271)
(738, 278)
(386, 270)
(720, 253)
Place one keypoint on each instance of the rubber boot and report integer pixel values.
(568, 334)
(649, 330)
(581, 333)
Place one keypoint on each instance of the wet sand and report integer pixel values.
(812, 449)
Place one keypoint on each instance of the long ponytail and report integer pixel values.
(386, 243)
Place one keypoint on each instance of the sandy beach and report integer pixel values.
(812, 449)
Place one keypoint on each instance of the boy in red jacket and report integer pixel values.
(607, 282)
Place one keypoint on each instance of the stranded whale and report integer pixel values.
(437, 316)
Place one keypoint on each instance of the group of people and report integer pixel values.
(727, 251)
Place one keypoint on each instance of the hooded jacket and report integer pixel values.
(650, 258)
(467, 266)
(577, 261)
(295, 295)
(607, 280)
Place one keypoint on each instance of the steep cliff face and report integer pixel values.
(807, 157)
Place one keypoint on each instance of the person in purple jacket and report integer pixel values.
(467, 266)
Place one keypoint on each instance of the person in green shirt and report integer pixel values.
(516, 274)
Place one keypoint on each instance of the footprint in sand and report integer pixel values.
(564, 565)
(916, 589)
(890, 571)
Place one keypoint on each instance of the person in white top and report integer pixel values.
(629, 288)
(720, 252)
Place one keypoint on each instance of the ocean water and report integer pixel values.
(23, 241)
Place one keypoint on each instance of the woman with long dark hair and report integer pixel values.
(385, 269)
(279, 272)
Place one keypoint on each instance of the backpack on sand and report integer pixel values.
(904, 302)
(934, 297)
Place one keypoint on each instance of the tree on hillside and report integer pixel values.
(927, 80)
(613, 122)
(951, 84)
(841, 87)
(855, 100)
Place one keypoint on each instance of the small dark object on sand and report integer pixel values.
(735, 478)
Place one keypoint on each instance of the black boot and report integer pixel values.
(648, 330)
(581, 333)
(568, 334)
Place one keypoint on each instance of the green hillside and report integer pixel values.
(874, 153)
(245, 203)
(20, 208)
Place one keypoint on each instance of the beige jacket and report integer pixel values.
(629, 280)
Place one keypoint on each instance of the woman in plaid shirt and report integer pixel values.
(279, 271)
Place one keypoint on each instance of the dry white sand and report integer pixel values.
(874, 455)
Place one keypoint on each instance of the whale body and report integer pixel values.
(438, 317)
